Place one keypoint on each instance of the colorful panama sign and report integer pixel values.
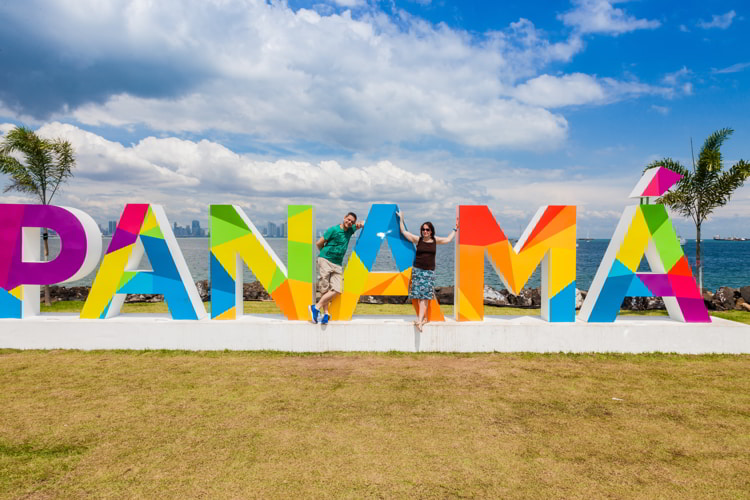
(549, 240)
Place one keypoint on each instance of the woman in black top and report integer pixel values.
(422, 285)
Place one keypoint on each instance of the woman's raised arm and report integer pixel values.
(411, 237)
(442, 241)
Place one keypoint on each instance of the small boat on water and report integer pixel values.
(682, 240)
(729, 238)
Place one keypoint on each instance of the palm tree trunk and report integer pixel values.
(45, 237)
(698, 263)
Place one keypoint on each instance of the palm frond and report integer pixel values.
(715, 140)
(670, 164)
(728, 183)
(62, 166)
(709, 158)
(44, 166)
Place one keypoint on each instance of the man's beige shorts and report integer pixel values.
(329, 276)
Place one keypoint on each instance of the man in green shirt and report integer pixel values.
(332, 246)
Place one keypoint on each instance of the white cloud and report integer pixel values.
(350, 3)
(578, 88)
(721, 22)
(734, 68)
(673, 78)
(186, 176)
(676, 82)
(662, 110)
(599, 16)
(553, 91)
(284, 77)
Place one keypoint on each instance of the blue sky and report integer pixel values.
(346, 103)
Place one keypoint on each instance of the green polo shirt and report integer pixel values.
(337, 241)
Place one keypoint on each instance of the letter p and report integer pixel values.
(21, 271)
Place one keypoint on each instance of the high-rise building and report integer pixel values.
(196, 228)
(283, 230)
(112, 227)
(271, 230)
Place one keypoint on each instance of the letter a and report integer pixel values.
(359, 278)
(645, 229)
(143, 227)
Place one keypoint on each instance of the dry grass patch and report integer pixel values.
(258, 425)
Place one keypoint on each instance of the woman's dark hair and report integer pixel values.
(428, 224)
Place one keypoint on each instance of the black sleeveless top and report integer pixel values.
(425, 258)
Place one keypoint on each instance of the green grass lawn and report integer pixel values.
(169, 424)
(370, 309)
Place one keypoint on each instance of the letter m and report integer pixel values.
(550, 239)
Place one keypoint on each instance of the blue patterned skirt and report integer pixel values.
(422, 285)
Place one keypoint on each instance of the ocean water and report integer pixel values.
(725, 263)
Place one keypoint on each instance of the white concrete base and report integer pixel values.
(375, 333)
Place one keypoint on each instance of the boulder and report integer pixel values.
(580, 297)
(143, 297)
(383, 299)
(494, 297)
(254, 291)
(204, 290)
(724, 298)
(745, 293)
(523, 299)
(370, 299)
(536, 298)
(642, 303)
(633, 304)
(444, 295)
(745, 306)
(708, 300)
(739, 303)
(58, 293)
(653, 303)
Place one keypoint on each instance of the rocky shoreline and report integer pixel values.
(724, 299)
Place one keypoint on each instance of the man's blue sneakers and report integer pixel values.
(324, 319)
(314, 313)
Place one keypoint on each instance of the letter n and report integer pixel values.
(234, 239)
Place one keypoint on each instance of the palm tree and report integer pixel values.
(44, 165)
(704, 188)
